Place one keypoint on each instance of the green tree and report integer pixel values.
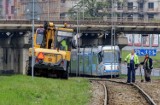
(89, 9)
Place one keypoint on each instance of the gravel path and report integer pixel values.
(152, 89)
(121, 94)
(97, 94)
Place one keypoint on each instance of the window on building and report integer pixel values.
(63, 1)
(140, 16)
(130, 5)
(119, 5)
(62, 15)
(140, 5)
(9, 17)
(150, 16)
(12, 9)
(119, 16)
(150, 5)
(109, 16)
(130, 17)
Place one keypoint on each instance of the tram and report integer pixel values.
(96, 61)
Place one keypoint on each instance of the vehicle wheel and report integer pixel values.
(29, 71)
(117, 75)
(65, 75)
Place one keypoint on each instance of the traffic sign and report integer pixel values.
(143, 52)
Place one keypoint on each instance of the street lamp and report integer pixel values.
(78, 42)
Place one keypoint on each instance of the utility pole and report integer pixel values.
(48, 11)
(83, 9)
(77, 43)
(112, 33)
(32, 39)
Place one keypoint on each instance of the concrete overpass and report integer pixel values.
(16, 34)
(120, 26)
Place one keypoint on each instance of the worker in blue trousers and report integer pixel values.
(132, 64)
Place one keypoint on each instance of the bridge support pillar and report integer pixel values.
(14, 54)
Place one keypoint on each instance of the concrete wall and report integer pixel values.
(24, 56)
(1, 58)
(13, 59)
(13, 53)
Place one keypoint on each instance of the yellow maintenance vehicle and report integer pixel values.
(52, 51)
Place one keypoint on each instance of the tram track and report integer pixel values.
(105, 92)
(131, 92)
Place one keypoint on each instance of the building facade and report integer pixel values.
(7, 9)
(44, 9)
(137, 10)
(47, 9)
(123, 10)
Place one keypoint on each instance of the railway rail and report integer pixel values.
(105, 92)
(142, 94)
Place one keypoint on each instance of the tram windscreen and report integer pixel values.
(110, 57)
(39, 37)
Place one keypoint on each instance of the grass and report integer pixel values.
(23, 90)
(156, 59)
(123, 76)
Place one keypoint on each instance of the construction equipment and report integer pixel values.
(52, 51)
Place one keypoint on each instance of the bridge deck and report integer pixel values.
(125, 26)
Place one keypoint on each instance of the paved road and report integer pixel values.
(155, 72)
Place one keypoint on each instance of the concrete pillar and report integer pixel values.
(1, 58)
(24, 58)
(13, 55)
(5, 58)
(9, 62)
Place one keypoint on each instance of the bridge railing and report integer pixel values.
(90, 21)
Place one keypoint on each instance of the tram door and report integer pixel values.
(73, 63)
(86, 60)
(94, 63)
(81, 61)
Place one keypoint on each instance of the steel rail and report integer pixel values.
(144, 94)
(105, 91)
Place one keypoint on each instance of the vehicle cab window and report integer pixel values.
(64, 39)
(39, 37)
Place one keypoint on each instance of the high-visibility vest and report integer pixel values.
(64, 44)
(128, 58)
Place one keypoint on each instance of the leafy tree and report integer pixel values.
(89, 8)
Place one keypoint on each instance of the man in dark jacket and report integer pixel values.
(147, 66)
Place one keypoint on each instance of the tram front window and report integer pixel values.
(110, 57)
